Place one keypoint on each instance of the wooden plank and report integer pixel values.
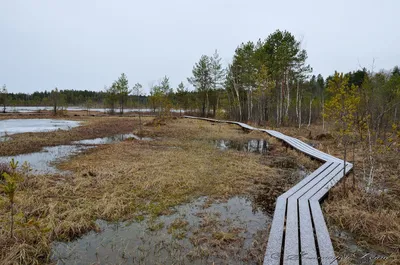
(291, 250)
(306, 180)
(291, 239)
(332, 181)
(301, 205)
(327, 254)
(307, 240)
(318, 183)
(316, 150)
(275, 240)
(309, 255)
(310, 152)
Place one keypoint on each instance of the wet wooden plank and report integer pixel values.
(332, 182)
(307, 179)
(307, 240)
(327, 254)
(309, 255)
(308, 151)
(275, 240)
(299, 209)
(293, 225)
(291, 250)
(328, 156)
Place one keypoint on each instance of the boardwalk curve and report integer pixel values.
(299, 234)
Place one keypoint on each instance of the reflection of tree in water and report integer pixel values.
(253, 146)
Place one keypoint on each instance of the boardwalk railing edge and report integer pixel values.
(298, 233)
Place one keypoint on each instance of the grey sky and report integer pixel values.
(86, 44)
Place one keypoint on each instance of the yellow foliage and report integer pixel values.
(342, 106)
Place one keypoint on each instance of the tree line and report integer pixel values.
(267, 82)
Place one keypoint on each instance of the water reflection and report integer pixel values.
(252, 146)
(13, 126)
(112, 139)
(138, 243)
(43, 162)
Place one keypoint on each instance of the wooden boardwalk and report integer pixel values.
(299, 234)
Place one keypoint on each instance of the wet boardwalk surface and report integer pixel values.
(299, 234)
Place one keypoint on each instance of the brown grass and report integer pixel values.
(372, 218)
(131, 179)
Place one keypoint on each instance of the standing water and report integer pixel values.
(197, 233)
(14, 126)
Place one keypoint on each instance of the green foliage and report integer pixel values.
(256, 69)
(88, 105)
(343, 103)
(111, 98)
(55, 98)
(208, 77)
(122, 89)
(160, 97)
(3, 98)
(9, 187)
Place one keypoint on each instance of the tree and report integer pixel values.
(111, 97)
(137, 90)
(286, 62)
(3, 97)
(217, 77)
(55, 98)
(122, 89)
(281, 61)
(341, 109)
(159, 96)
(321, 88)
(202, 80)
(9, 187)
(88, 105)
(182, 97)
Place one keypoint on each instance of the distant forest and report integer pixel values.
(268, 83)
(68, 97)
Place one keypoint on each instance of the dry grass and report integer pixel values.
(372, 218)
(131, 179)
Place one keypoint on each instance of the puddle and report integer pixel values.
(44, 161)
(14, 126)
(135, 243)
(112, 139)
(253, 146)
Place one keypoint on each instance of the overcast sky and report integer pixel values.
(86, 44)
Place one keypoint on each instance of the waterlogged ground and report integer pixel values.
(45, 161)
(148, 183)
(13, 126)
(112, 139)
(200, 232)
